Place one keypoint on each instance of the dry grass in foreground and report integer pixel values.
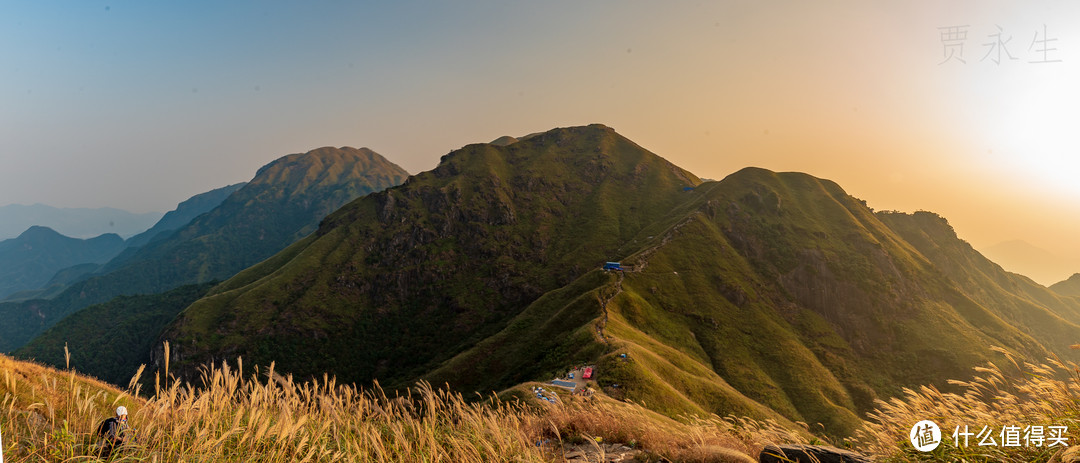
(660, 436)
(233, 419)
(268, 417)
(48, 416)
(42, 410)
(1033, 395)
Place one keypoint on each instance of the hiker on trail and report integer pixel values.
(114, 432)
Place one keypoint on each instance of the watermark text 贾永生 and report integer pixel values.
(998, 46)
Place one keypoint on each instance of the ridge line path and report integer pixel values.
(603, 308)
(639, 265)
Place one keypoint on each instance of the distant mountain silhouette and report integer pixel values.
(184, 213)
(28, 261)
(1039, 264)
(73, 222)
(1069, 287)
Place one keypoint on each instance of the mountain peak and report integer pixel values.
(30, 260)
(762, 175)
(504, 140)
(323, 168)
(1068, 287)
(39, 232)
(463, 247)
(322, 159)
(596, 152)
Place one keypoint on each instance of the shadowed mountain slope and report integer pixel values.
(184, 213)
(398, 281)
(776, 289)
(110, 340)
(284, 202)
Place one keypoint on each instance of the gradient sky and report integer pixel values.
(139, 105)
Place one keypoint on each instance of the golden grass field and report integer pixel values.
(1012, 394)
(47, 415)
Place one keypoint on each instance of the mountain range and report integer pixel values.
(82, 223)
(763, 292)
(766, 294)
(283, 202)
(55, 263)
(184, 213)
(30, 260)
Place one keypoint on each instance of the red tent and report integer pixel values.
(587, 374)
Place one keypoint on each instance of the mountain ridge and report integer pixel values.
(469, 205)
(75, 222)
(30, 260)
(1068, 287)
(785, 256)
(775, 295)
(283, 202)
(184, 213)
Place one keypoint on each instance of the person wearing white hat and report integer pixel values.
(113, 432)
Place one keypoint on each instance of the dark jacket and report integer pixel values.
(112, 430)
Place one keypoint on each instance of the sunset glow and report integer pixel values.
(101, 101)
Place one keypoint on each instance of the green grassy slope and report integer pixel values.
(408, 277)
(765, 294)
(764, 289)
